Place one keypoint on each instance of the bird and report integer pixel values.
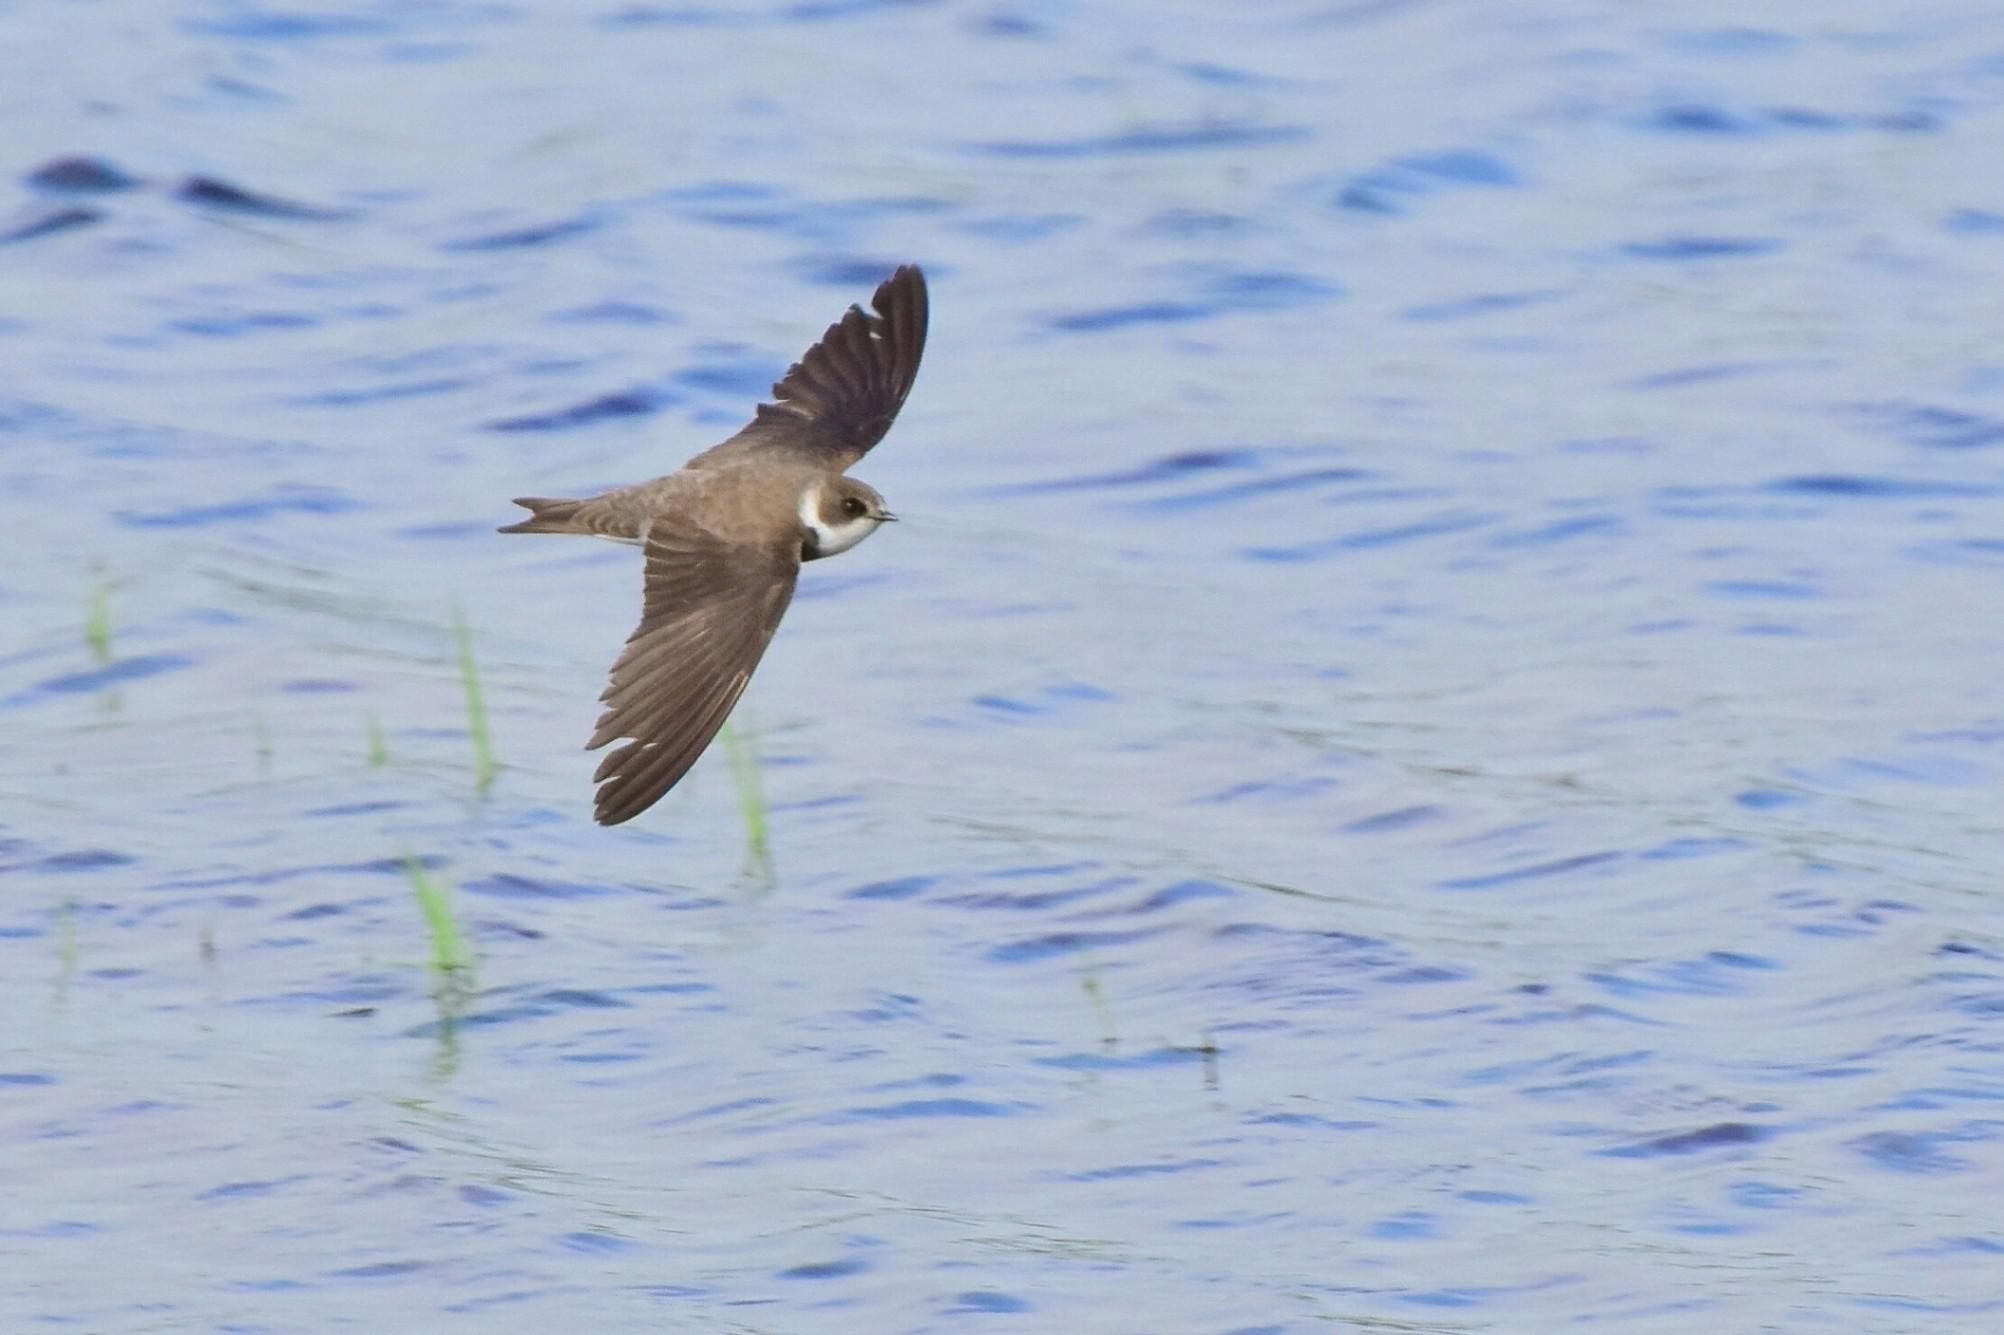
(725, 537)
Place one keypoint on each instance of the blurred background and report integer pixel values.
(1427, 755)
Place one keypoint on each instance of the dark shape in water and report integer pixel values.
(1700, 118)
(83, 174)
(1701, 247)
(522, 237)
(1869, 485)
(209, 191)
(839, 270)
(1908, 122)
(65, 219)
(1935, 427)
(1149, 139)
(1717, 1136)
(1163, 469)
(286, 500)
(1120, 317)
(1975, 221)
(103, 678)
(621, 403)
(1387, 187)
(745, 376)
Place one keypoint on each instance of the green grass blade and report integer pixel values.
(740, 747)
(451, 959)
(97, 621)
(66, 946)
(485, 767)
(379, 747)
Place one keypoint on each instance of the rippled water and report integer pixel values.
(1427, 757)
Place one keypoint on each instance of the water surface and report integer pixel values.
(1428, 753)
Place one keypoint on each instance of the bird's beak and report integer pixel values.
(886, 517)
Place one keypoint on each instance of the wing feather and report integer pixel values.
(843, 394)
(711, 609)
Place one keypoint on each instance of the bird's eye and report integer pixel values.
(854, 508)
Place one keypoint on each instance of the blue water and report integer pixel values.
(1428, 755)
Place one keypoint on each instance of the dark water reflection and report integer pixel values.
(1427, 756)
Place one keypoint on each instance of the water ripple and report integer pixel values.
(1150, 139)
(290, 499)
(139, 667)
(525, 237)
(1689, 247)
(1395, 535)
(638, 402)
(1932, 426)
(1387, 189)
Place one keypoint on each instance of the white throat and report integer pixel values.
(832, 539)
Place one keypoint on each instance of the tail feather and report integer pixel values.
(546, 515)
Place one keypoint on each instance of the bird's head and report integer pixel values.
(837, 513)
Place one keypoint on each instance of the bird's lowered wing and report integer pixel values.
(711, 609)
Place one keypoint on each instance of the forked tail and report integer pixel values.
(546, 515)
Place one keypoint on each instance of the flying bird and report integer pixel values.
(725, 537)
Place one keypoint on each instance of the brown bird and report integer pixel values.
(726, 535)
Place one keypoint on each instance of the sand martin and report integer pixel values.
(726, 535)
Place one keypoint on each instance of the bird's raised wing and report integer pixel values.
(843, 394)
(711, 609)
